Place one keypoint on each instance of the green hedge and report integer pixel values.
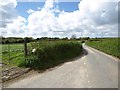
(51, 54)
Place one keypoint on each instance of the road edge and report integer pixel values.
(110, 56)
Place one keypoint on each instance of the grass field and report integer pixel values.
(107, 45)
(12, 53)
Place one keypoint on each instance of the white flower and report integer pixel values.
(33, 50)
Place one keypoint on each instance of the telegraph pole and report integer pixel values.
(102, 34)
(81, 36)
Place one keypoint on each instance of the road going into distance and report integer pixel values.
(92, 70)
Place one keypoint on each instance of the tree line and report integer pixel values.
(10, 40)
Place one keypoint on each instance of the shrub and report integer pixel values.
(52, 54)
(83, 41)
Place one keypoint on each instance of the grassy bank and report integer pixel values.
(50, 54)
(107, 45)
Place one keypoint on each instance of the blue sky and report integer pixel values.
(23, 7)
(92, 18)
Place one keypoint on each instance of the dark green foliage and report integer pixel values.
(30, 61)
(83, 41)
(11, 40)
(50, 54)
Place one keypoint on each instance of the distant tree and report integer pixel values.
(73, 36)
(29, 39)
(38, 39)
(7, 41)
(15, 40)
(87, 38)
(56, 38)
(66, 38)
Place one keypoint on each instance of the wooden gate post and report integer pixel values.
(25, 46)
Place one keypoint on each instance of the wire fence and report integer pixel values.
(12, 53)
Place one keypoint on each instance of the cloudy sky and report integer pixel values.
(55, 18)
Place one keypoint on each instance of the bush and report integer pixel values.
(82, 41)
(52, 54)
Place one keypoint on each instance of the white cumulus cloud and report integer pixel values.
(16, 28)
(93, 18)
(8, 12)
(30, 11)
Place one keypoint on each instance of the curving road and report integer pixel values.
(93, 70)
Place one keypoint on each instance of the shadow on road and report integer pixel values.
(82, 54)
(85, 52)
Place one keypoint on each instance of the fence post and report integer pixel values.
(9, 51)
(25, 46)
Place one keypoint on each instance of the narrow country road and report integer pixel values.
(93, 70)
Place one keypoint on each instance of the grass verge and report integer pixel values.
(106, 45)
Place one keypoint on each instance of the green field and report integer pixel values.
(12, 53)
(107, 45)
